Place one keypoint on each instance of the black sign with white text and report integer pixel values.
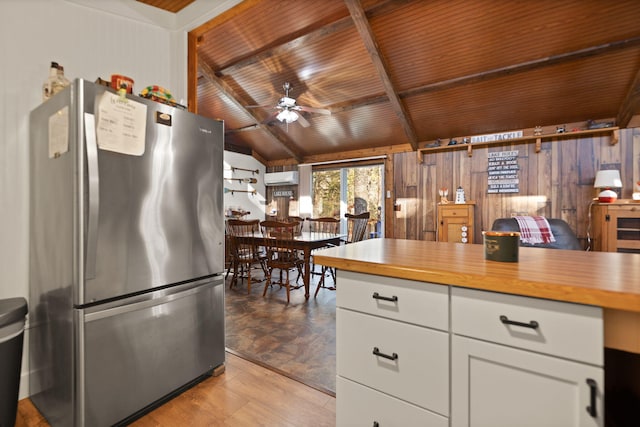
(502, 172)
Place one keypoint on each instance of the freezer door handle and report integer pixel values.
(94, 195)
(149, 301)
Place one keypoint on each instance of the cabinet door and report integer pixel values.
(624, 232)
(616, 227)
(600, 229)
(494, 385)
(452, 230)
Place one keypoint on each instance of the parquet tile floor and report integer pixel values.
(297, 339)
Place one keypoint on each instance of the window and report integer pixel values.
(352, 190)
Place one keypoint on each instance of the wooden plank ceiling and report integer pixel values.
(174, 6)
(397, 75)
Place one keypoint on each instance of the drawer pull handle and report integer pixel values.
(377, 352)
(591, 409)
(532, 324)
(378, 296)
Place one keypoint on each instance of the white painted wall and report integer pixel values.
(255, 204)
(90, 42)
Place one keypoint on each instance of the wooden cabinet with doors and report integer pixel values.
(455, 222)
(616, 226)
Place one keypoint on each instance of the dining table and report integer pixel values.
(306, 242)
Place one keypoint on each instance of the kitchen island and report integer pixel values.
(514, 337)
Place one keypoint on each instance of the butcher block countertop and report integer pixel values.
(604, 279)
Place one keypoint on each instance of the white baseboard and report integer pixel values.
(24, 385)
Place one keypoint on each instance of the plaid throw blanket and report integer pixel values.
(534, 229)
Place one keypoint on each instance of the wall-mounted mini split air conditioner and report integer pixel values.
(281, 178)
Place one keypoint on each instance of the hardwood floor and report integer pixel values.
(280, 367)
(246, 394)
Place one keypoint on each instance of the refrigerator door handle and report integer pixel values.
(93, 194)
(149, 302)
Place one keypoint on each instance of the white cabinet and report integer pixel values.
(494, 385)
(415, 353)
(419, 303)
(360, 405)
(525, 361)
(407, 361)
(392, 344)
(572, 331)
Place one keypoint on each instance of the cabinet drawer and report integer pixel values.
(573, 331)
(420, 303)
(357, 405)
(419, 372)
(455, 212)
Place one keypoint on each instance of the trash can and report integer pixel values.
(13, 312)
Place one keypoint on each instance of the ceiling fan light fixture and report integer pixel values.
(287, 116)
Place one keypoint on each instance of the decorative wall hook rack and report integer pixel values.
(229, 190)
(255, 171)
(244, 180)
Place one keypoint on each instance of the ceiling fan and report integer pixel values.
(287, 111)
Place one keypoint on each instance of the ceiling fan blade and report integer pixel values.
(315, 110)
(303, 121)
(259, 106)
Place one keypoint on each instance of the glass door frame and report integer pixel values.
(344, 191)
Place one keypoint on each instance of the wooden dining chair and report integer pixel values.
(324, 225)
(357, 226)
(280, 253)
(299, 221)
(244, 255)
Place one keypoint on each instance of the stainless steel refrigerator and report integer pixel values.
(126, 254)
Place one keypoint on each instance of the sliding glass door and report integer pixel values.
(353, 190)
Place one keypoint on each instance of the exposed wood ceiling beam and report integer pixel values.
(242, 129)
(523, 66)
(631, 104)
(366, 34)
(495, 73)
(292, 41)
(240, 103)
(330, 25)
(357, 103)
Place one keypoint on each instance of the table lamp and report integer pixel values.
(606, 180)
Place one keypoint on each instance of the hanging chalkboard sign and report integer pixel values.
(502, 172)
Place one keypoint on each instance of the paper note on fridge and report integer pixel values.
(59, 133)
(121, 125)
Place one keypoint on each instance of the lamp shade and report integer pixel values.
(606, 180)
(287, 116)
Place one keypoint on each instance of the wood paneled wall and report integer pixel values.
(556, 182)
